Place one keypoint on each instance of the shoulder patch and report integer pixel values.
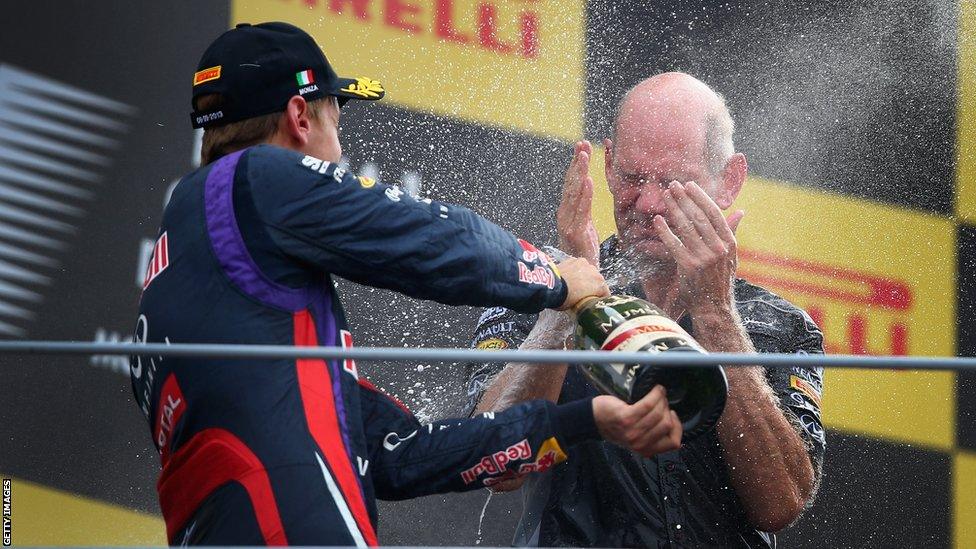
(315, 164)
(492, 344)
(805, 387)
(491, 313)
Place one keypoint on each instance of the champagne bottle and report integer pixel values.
(627, 323)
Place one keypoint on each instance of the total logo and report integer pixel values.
(170, 409)
(477, 25)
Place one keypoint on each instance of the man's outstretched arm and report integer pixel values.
(408, 460)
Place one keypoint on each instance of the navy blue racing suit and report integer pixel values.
(295, 451)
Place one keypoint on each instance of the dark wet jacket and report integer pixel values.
(295, 451)
(607, 496)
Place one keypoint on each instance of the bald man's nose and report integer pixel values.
(650, 201)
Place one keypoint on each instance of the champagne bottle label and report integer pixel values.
(649, 333)
(633, 334)
(629, 324)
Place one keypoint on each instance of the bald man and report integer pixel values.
(672, 169)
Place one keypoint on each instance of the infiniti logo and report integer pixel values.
(54, 145)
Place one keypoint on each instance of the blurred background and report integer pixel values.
(858, 119)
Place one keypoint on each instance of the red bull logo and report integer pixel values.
(542, 464)
(539, 275)
(855, 301)
(497, 463)
(530, 253)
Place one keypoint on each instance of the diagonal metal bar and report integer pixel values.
(473, 355)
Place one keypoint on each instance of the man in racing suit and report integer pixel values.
(760, 467)
(294, 451)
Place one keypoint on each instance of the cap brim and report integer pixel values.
(357, 88)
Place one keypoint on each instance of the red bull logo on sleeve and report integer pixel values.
(539, 275)
(497, 463)
(544, 274)
(531, 253)
(549, 454)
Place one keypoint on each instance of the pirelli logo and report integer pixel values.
(847, 304)
(206, 75)
(476, 49)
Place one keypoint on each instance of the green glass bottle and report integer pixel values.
(627, 323)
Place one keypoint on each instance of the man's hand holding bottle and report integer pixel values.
(582, 279)
(648, 426)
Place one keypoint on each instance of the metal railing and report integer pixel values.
(205, 350)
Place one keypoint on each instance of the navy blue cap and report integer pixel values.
(258, 68)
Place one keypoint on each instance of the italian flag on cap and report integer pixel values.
(305, 77)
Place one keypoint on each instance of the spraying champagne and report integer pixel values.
(627, 323)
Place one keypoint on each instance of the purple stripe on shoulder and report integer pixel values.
(228, 244)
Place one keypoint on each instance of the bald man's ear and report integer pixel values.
(607, 158)
(733, 177)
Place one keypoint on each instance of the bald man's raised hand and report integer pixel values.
(574, 219)
(702, 243)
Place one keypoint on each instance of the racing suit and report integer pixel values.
(606, 496)
(294, 451)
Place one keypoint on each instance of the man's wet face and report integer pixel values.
(638, 177)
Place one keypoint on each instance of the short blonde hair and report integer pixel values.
(222, 140)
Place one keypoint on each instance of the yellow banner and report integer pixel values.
(966, 114)
(48, 517)
(877, 279)
(511, 63)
